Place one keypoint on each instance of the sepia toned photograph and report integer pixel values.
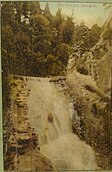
(56, 59)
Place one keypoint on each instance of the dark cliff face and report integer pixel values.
(89, 84)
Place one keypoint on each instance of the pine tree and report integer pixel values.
(35, 8)
(67, 31)
(7, 13)
(58, 19)
(47, 12)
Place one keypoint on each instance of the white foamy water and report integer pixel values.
(50, 115)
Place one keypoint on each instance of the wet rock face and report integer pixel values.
(22, 132)
(22, 138)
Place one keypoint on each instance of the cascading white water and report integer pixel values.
(50, 115)
(49, 111)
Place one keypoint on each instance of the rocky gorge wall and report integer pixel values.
(89, 83)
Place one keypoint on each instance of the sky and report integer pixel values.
(90, 13)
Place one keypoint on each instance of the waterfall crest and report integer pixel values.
(50, 114)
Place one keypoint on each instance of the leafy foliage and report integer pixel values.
(31, 36)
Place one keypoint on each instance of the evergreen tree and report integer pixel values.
(47, 12)
(40, 34)
(7, 13)
(67, 31)
(35, 8)
(58, 19)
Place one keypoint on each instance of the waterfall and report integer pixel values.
(50, 115)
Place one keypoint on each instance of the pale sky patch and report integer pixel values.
(90, 13)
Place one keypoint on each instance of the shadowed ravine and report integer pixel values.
(50, 115)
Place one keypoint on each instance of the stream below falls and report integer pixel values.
(50, 115)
